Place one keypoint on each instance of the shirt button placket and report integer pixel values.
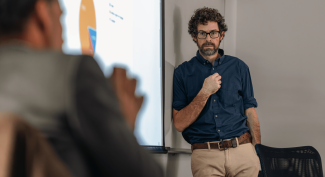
(217, 120)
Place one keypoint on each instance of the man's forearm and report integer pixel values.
(253, 125)
(186, 116)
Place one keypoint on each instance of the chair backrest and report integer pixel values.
(302, 161)
(25, 152)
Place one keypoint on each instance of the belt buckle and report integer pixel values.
(221, 149)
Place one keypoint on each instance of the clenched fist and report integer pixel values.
(125, 91)
(212, 84)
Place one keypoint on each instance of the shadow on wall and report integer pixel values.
(177, 36)
(171, 134)
(172, 165)
(172, 161)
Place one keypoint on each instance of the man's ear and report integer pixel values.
(194, 38)
(222, 35)
(43, 18)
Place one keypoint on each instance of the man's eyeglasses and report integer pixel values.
(203, 35)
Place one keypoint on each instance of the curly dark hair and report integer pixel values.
(14, 15)
(202, 16)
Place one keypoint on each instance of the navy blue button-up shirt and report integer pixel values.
(223, 115)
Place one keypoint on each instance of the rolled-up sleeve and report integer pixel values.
(179, 94)
(247, 89)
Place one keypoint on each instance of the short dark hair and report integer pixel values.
(14, 15)
(202, 16)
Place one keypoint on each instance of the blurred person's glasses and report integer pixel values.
(203, 35)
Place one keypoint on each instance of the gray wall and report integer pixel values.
(283, 43)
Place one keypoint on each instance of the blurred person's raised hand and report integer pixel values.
(124, 87)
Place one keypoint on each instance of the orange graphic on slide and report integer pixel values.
(87, 27)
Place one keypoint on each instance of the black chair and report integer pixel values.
(302, 161)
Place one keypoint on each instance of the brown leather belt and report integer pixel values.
(223, 145)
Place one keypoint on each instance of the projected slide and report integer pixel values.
(87, 26)
(123, 33)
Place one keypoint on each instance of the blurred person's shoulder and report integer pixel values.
(22, 51)
(46, 59)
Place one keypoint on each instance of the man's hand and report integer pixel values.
(253, 125)
(124, 89)
(212, 84)
(185, 117)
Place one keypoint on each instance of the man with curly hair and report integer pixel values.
(216, 115)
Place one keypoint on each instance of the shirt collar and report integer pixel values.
(203, 60)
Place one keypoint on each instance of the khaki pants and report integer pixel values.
(233, 162)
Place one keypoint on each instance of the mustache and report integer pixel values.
(208, 43)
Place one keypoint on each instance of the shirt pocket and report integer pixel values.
(227, 96)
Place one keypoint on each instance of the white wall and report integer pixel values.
(283, 43)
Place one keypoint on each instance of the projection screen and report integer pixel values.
(128, 34)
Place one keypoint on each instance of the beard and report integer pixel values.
(208, 51)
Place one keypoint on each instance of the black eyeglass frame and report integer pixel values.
(206, 34)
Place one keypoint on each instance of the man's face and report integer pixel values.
(56, 40)
(208, 46)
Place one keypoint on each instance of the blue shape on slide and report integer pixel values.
(93, 36)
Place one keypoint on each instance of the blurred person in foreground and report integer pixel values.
(67, 97)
